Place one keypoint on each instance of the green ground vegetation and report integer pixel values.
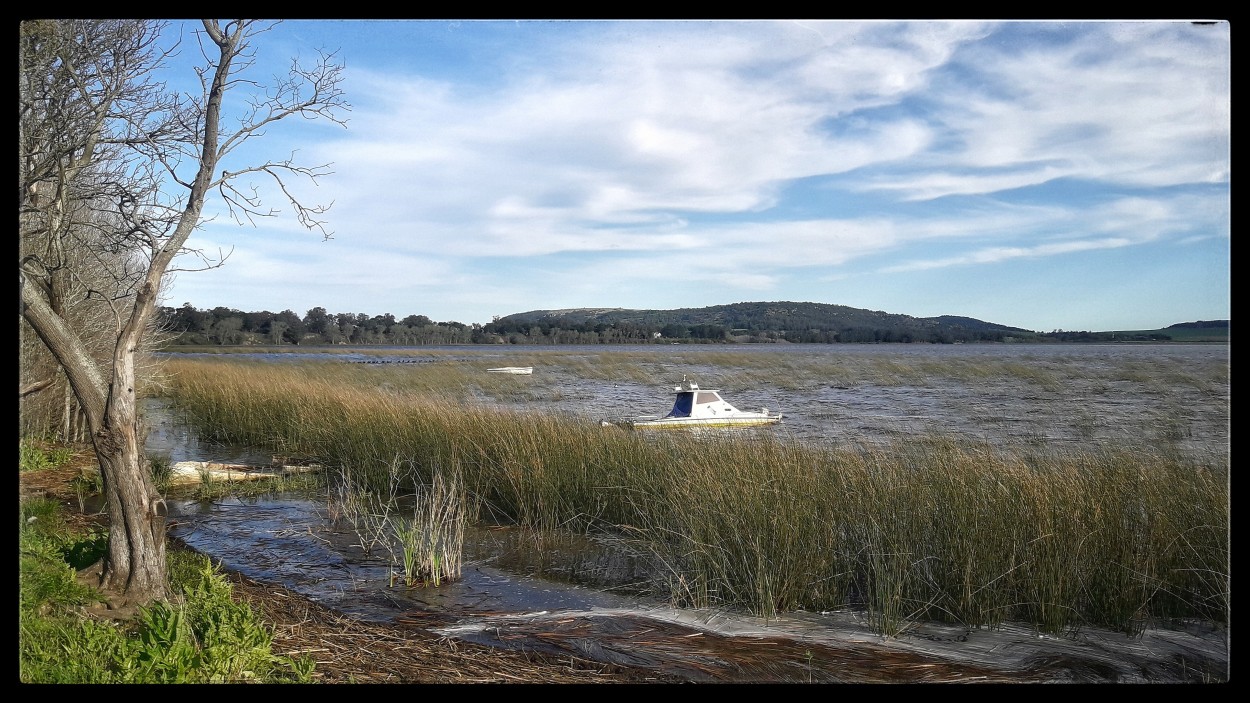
(202, 635)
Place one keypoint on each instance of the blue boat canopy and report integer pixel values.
(683, 405)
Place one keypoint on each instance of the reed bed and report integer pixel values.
(924, 528)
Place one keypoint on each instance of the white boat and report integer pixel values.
(696, 407)
(516, 370)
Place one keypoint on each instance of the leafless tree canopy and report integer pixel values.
(75, 78)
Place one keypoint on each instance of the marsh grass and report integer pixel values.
(432, 541)
(371, 512)
(921, 528)
(426, 545)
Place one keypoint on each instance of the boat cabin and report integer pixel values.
(693, 402)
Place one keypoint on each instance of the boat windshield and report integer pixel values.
(683, 405)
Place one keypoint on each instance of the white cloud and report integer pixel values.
(1136, 104)
(681, 129)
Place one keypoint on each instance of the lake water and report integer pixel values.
(516, 590)
(1062, 395)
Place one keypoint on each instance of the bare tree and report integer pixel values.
(116, 170)
(62, 169)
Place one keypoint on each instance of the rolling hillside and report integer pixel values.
(821, 322)
(792, 321)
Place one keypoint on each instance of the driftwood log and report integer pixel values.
(184, 473)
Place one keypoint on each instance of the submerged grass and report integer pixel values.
(923, 528)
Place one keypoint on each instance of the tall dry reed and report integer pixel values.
(925, 528)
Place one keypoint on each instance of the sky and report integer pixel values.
(1035, 174)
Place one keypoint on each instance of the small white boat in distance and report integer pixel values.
(696, 407)
(516, 370)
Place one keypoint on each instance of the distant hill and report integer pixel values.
(1199, 331)
(1201, 325)
(773, 321)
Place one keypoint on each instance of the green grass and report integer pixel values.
(925, 528)
(201, 636)
(38, 455)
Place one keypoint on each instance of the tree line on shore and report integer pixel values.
(187, 325)
(810, 323)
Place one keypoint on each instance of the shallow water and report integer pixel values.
(292, 541)
(508, 602)
(565, 594)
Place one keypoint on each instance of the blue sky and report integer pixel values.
(1044, 175)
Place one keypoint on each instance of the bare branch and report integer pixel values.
(35, 387)
(210, 262)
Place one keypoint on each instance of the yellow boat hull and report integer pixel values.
(710, 422)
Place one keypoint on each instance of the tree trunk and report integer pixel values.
(135, 565)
